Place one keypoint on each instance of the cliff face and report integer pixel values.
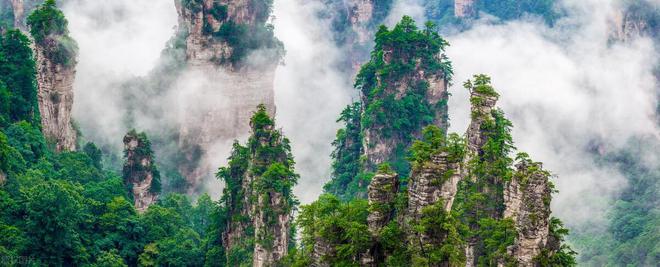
(394, 77)
(379, 147)
(229, 44)
(56, 54)
(55, 82)
(140, 174)
(434, 181)
(527, 200)
(258, 196)
(464, 8)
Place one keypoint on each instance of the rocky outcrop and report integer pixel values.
(483, 104)
(55, 82)
(213, 66)
(634, 19)
(258, 195)
(360, 14)
(527, 200)
(382, 192)
(56, 57)
(378, 147)
(278, 230)
(464, 8)
(3, 178)
(434, 181)
(140, 173)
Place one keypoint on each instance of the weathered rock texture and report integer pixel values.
(227, 93)
(434, 181)
(379, 148)
(382, 193)
(626, 24)
(56, 58)
(527, 200)
(254, 203)
(482, 107)
(464, 8)
(140, 173)
(55, 83)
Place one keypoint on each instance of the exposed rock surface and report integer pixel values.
(139, 170)
(527, 201)
(482, 107)
(258, 195)
(360, 14)
(464, 8)
(382, 193)
(321, 249)
(204, 124)
(56, 58)
(435, 181)
(55, 82)
(379, 148)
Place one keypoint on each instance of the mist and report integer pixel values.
(310, 91)
(119, 40)
(569, 92)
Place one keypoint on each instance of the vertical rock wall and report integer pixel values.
(140, 173)
(379, 148)
(238, 89)
(527, 199)
(258, 195)
(55, 83)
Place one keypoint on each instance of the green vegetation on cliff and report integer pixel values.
(343, 233)
(67, 209)
(18, 86)
(259, 179)
(397, 102)
(49, 28)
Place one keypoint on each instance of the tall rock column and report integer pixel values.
(56, 54)
(382, 194)
(231, 56)
(140, 173)
(399, 72)
(258, 196)
(527, 198)
(431, 182)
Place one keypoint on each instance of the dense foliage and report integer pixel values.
(18, 88)
(66, 209)
(49, 29)
(395, 103)
(259, 179)
(341, 233)
(348, 150)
